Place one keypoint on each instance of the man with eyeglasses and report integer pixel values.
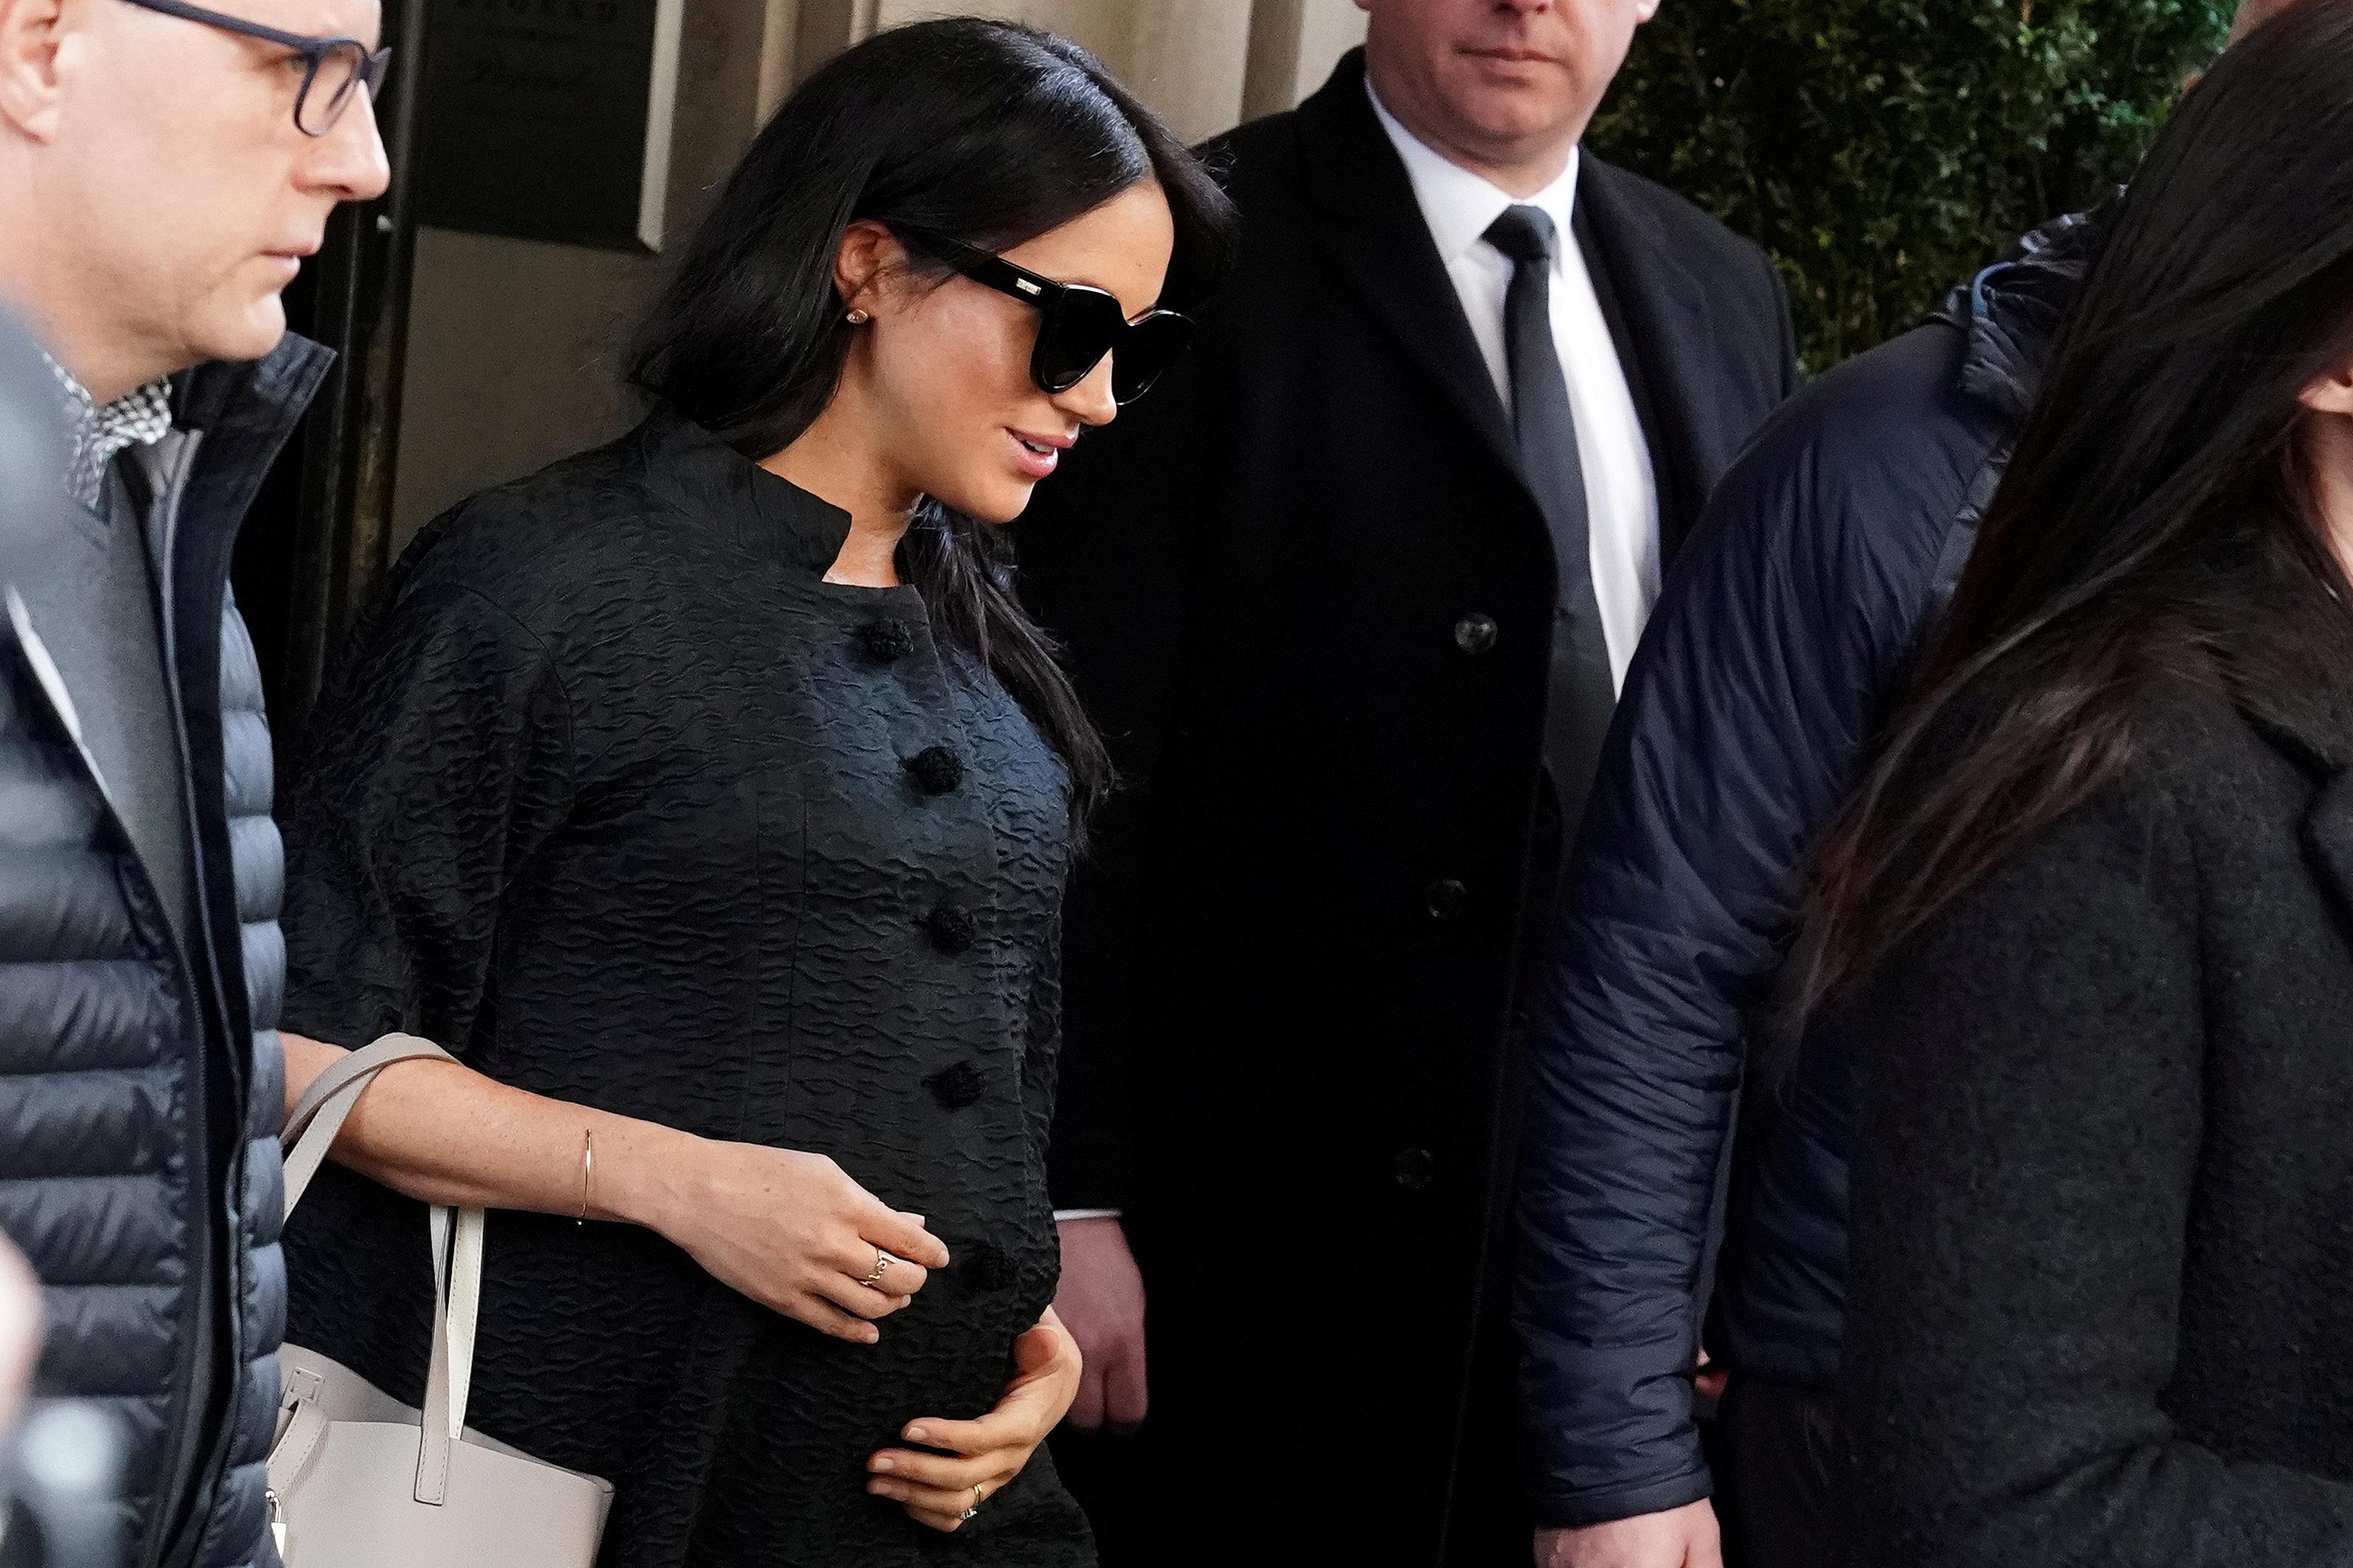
(163, 170)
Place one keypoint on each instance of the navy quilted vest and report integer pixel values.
(123, 1056)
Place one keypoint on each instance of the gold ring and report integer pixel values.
(882, 1266)
(979, 1497)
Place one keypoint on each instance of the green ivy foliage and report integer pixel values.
(1885, 150)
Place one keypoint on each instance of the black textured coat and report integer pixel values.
(2103, 1181)
(1310, 597)
(625, 805)
(141, 1084)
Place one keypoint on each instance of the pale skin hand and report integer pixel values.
(1680, 1538)
(1101, 1300)
(1711, 1379)
(20, 1329)
(790, 1230)
(936, 1488)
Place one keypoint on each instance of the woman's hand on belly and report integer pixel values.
(791, 1230)
(944, 1490)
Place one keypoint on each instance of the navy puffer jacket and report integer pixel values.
(141, 1084)
(1781, 638)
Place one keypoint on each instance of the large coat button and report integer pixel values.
(1447, 898)
(956, 1087)
(951, 926)
(985, 1266)
(936, 770)
(887, 642)
(1415, 1170)
(1474, 634)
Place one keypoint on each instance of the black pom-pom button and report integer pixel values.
(986, 1266)
(951, 926)
(936, 770)
(956, 1087)
(887, 642)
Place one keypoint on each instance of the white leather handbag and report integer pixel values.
(358, 1479)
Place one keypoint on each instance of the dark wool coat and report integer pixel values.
(141, 1084)
(2103, 1191)
(1310, 596)
(624, 805)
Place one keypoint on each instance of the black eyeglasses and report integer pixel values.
(1077, 324)
(336, 68)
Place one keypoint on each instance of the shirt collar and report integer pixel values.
(1459, 206)
(137, 418)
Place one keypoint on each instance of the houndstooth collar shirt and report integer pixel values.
(138, 418)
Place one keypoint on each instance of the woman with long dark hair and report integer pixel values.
(709, 796)
(2086, 932)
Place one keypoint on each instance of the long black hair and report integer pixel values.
(979, 131)
(2159, 520)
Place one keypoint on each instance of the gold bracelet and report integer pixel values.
(588, 1172)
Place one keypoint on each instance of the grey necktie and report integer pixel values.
(1582, 694)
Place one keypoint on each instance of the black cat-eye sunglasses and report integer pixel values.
(1077, 324)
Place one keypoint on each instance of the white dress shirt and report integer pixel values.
(1621, 492)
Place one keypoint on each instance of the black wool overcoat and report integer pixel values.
(1309, 597)
(2103, 1187)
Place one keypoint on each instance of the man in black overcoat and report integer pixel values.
(1351, 594)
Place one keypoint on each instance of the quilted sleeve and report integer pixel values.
(1744, 721)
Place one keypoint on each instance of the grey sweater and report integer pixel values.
(90, 592)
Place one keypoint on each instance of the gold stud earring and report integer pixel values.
(858, 318)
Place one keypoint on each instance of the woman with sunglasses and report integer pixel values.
(709, 796)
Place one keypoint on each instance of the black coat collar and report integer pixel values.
(772, 516)
(1379, 243)
(1377, 239)
(1659, 318)
(247, 411)
(2313, 724)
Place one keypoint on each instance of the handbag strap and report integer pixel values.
(326, 1105)
(310, 1130)
(449, 1374)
